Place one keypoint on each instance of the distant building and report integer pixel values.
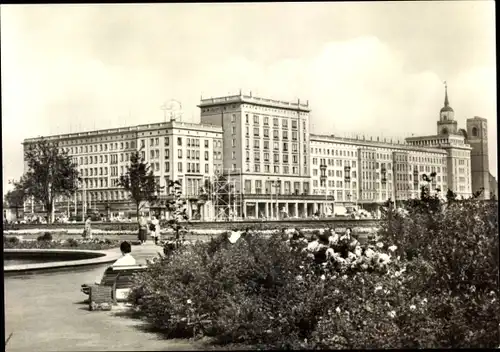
(175, 150)
(275, 168)
(477, 137)
(458, 152)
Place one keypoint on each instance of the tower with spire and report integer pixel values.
(446, 124)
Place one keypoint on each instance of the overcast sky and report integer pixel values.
(372, 68)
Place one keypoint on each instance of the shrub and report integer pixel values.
(94, 244)
(46, 237)
(428, 279)
(10, 241)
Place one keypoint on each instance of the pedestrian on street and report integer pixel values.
(143, 229)
(87, 231)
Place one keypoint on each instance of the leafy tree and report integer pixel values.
(51, 174)
(15, 199)
(140, 182)
(178, 217)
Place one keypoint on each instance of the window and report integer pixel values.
(233, 130)
(179, 140)
(276, 134)
(167, 141)
(294, 135)
(248, 186)
(152, 154)
(206, 143)
(167, 166)
(179, 153)
(275, 122)
(233, 118)
(234, 142)
(285, 134)
(206, 155)
(167, 153)
(474, 132)
(151, 142)
(266, 132)
(255, 119)
(258, 186)
(294, 124)
(266, 120)
(206, 168)
(233, 155)
(179, 167)
(256, 131)
(256, 144)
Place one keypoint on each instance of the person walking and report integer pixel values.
(87, 231)
(155, 229)
(143, 229)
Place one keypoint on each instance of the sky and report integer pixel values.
(372, 68)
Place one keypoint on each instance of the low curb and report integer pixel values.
(98, 257)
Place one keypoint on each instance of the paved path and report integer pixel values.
(45, 313)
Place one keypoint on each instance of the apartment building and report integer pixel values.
(276, 167)
(266, 147)
(368, 172)
(174, 150)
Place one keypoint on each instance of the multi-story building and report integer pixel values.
(275, 167)
(459, 159)
(266, 145)
(174, 150)
(368, 172)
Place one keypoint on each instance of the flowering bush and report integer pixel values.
(428, 279)
(70, 243)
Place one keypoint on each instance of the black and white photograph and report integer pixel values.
(243, 176)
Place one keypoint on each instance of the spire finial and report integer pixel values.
(446, 102)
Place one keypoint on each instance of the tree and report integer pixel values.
(15, 199)
(177, 209)
(51, 174)
(140, 182)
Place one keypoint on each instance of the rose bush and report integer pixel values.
(429, 278)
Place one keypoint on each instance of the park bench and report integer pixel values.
(114, 286)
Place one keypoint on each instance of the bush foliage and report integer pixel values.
(428, 279)
(70, 243)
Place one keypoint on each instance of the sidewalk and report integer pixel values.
(45, 312)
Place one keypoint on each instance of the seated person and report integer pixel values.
(125, 260)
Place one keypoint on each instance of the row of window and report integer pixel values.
(334, 152)
(334, 162)
(276, 157)
(265, 120)
(276, 169)
(103, 159)
(276, 145)
(100, 148)
(276, 133)
(190, 142)
(279, 187)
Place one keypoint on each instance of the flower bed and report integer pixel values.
(70, 243)
(428, 279)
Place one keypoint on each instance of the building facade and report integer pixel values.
(368, 172)
(275, 167)
(266, 145)
(174, 150)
